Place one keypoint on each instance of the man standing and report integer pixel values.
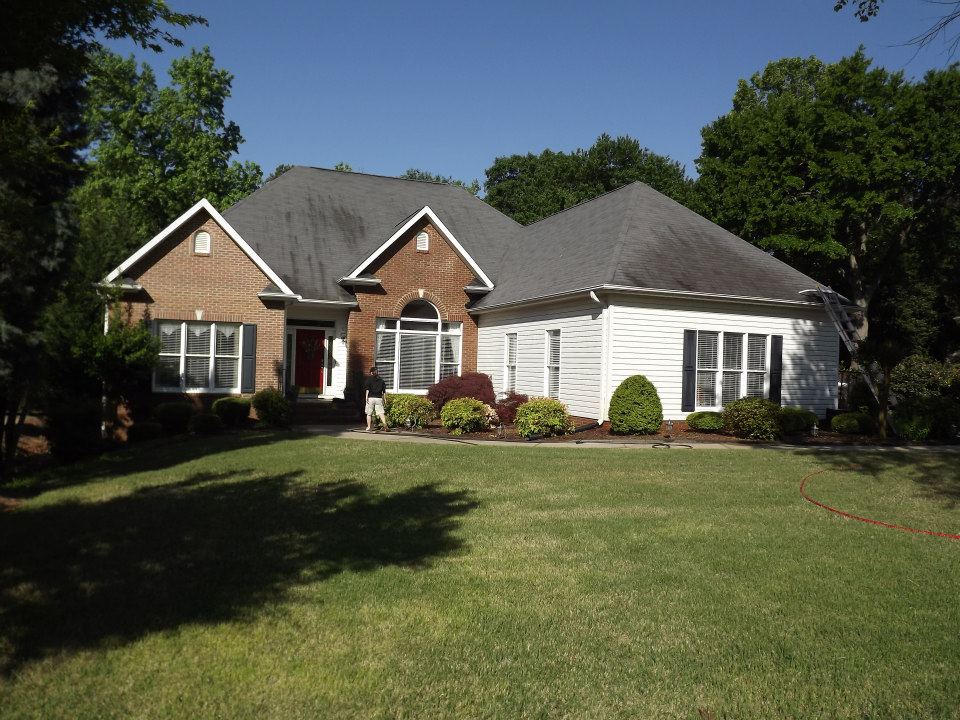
(373, 398)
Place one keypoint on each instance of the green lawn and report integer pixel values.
(277, 576)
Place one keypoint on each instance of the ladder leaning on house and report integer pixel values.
(872, 375)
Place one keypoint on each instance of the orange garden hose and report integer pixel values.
(842, 513)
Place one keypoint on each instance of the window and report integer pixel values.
(198, 357)
(722, 354)
(552, 370)
(417, 349)
(201, 243)
(423, 242)
(510, 363)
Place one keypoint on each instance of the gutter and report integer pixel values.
(591, 292)
(299, 299)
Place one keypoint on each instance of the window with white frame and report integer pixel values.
(198, 357)
(417, 349)
(510, 362)
(730, 365)
(552, 369)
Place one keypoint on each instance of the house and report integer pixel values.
(319, 274)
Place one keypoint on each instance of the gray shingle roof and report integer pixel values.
(636, 237)
(313, 226)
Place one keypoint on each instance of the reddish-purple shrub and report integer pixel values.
(474, 385)
(507, 408)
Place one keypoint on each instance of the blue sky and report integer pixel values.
(448, 86)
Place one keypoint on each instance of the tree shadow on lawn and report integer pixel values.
(936, 474)
(210, 548)
(142, 457)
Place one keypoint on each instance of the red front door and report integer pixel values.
(309, 361)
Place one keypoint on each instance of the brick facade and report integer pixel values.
(222, 285)
(403, 271)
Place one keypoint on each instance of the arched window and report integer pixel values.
(417, 349)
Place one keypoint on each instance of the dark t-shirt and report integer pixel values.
(376, 386)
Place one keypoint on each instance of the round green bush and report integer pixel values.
(272, 407)
(635, 407)
(752, 418)
(705, 421)
(542, 416)
(796, 420)
(466, 415)
(206, 423)
(146, 430)
(852, 423)
(402, 406)
(232, 411)
(174, 416)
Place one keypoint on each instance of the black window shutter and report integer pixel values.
(776, 367)
(248, 359)
(689, 395)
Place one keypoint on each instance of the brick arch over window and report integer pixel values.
(415, 295)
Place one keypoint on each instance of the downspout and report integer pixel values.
(604, 354)
(103, 382)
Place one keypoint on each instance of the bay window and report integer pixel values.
(417, 349)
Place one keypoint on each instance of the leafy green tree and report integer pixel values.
(530, 187)
(45, 58)
(848, 172)
(472, 187)
(343, 167)
(278, 171)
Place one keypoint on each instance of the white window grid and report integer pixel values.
(551, 364)
(449, 357)
(211, 353)
(510, 362)
(741, 363)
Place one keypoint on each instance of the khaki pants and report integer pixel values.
(375, 405)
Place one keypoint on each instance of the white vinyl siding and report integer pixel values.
(580, 327)
(647, 339)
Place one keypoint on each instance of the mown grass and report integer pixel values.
(276, 576)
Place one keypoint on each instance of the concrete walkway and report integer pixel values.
(341, 431)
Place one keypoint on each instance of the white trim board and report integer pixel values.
(203, 204)
(425, 212)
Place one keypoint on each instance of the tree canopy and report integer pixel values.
(426, 176)
(530, 187)
(850, 173)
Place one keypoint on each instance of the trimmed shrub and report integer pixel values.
(796, 420)
(174, 416)
(507, 407)
(466, 415)
(752, 418)
(472, 385)
(146, 430)
(635, 407)
(543, 416)
(206, 423)
(232, 411)
(916, 428)
(401, 406)
(73, 428)
(852, 423)
(272, 407)
(705, 421)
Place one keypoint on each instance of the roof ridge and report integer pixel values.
(386, 177)
(584, 202)
(618, 248)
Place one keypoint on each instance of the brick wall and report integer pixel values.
(224, 285)
(403, 272)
